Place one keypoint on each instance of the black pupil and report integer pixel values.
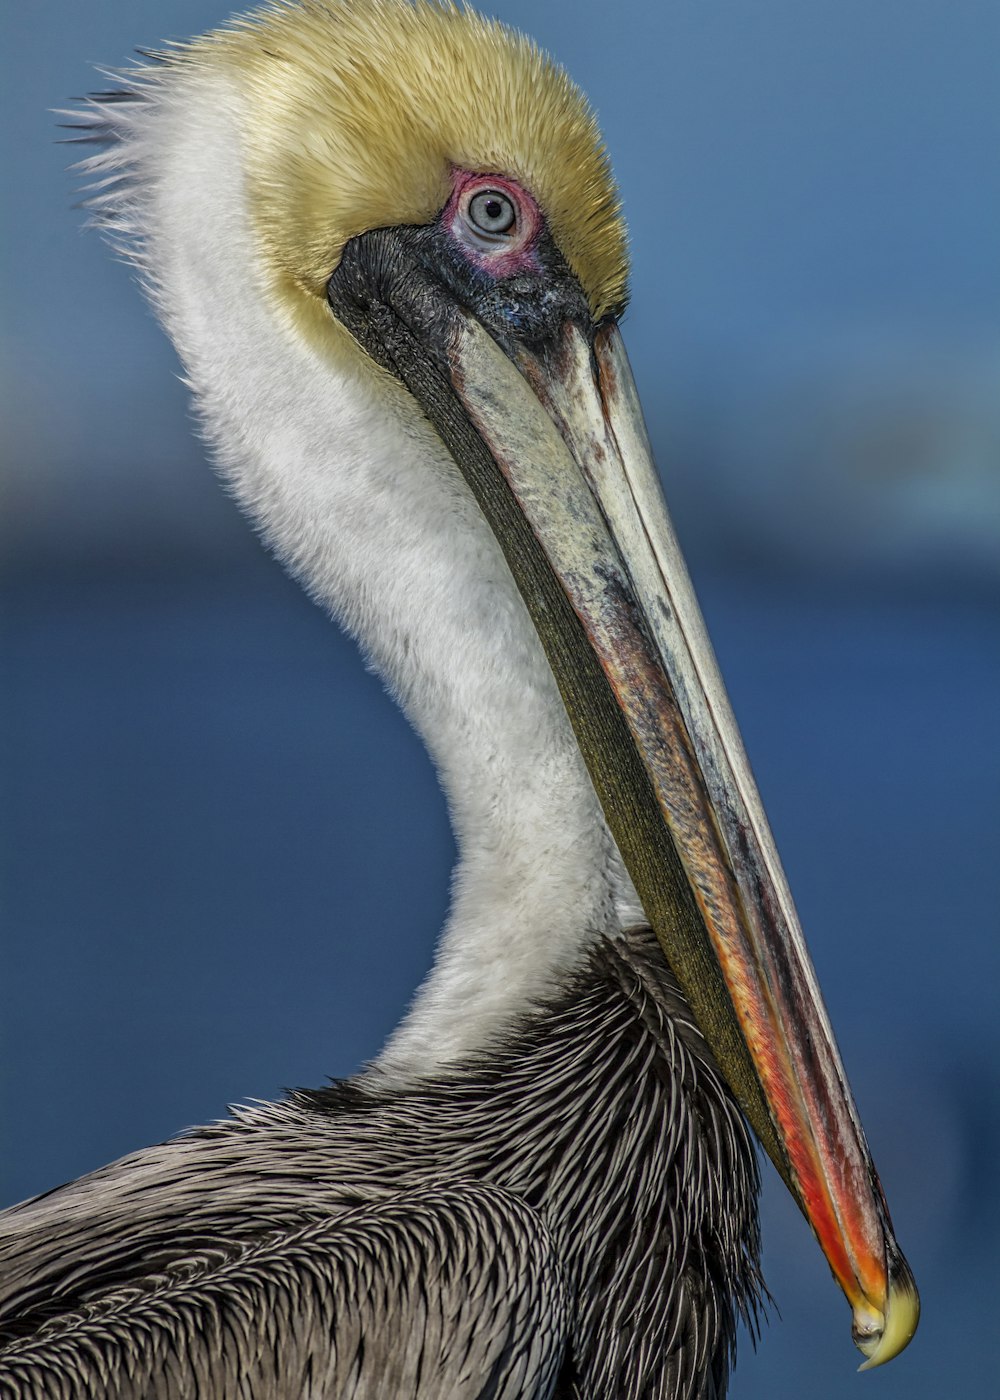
(492, 213)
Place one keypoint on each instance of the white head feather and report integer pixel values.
(356, 494)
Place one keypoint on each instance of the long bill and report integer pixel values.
(553, 445)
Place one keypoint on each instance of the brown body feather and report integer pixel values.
(576, 1217)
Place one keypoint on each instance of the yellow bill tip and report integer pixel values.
(883, 1335)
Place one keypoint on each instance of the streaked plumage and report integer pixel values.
(580, 1205)
(544, 1186)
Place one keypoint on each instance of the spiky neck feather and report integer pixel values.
(354, 491)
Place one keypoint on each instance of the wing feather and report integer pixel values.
(445, 1293)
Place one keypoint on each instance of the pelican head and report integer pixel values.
(386, 241)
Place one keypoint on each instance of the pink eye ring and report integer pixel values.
(495, 219)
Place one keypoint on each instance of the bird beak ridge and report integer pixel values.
(575, 455)
(551, 440)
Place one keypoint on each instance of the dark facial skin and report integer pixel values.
(423, 273)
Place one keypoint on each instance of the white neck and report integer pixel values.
(358, 496)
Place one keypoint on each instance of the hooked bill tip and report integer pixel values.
(883, 1335)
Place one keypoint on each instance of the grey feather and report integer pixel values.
(294, 1313)
(574, 1217)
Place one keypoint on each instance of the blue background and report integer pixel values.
(225, 857)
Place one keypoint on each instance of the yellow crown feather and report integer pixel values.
(356, 111)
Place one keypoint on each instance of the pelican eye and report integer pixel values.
(491, 213)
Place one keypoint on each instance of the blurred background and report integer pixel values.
(225, 857)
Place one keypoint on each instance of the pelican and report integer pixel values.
(385, 239)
